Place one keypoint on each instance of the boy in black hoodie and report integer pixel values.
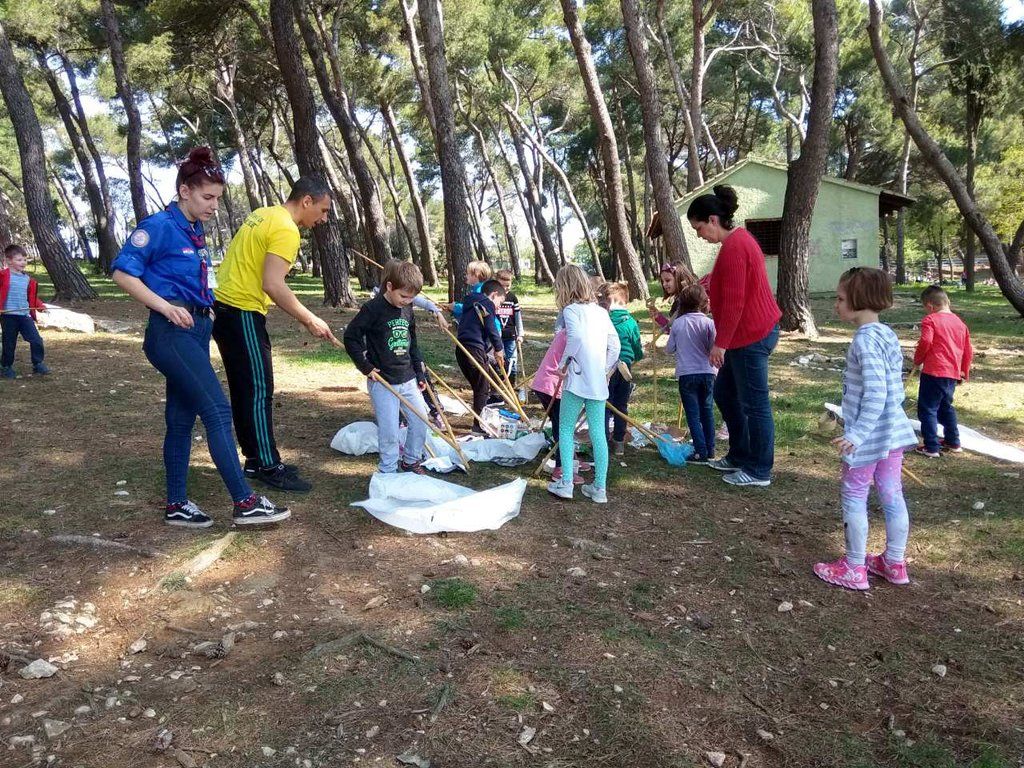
(479, 333)
(382, 339)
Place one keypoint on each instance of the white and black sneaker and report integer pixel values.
(186, 514)
(259, 510)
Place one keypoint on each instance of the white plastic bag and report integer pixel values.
(423, 504)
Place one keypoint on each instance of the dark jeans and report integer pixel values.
(934, 407)
(697, 390)
(479, 383)
(741, 393)
(545, 400)
(12, 325)
(244, 346)
(619, 391)
(193, 389)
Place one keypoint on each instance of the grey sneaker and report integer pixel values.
(595, 494)
(723, 465)
(560, 489)
(742, 479)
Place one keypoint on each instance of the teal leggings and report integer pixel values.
(569, 412)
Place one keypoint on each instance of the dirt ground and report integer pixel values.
(692, 627)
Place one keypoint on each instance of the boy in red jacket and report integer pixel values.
(19, 300)
(944, 356)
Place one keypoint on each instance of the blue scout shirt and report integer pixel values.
(168, 253)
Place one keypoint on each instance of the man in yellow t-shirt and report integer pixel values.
(251, 278)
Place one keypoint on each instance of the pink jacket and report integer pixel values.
(545, 380)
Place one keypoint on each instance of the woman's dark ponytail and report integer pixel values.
(723, 203)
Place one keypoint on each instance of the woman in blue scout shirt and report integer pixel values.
(165, 266)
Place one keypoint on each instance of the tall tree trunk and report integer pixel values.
(657, 163)
(124, 91)
(548, 260)
(395, 200)
(458, 237)
(476, 227)
(1011, 285)
(105, 239)
(110, 213)
(226, 95)
(419, 211)
(74, 219)
(618, 226)
(540, 153)
(510, 240)
(804, 176)
(523, 204)
(558, 232)
(327, 236)
(68, 282)
(973, 120)
(340, 108)
(426, 98)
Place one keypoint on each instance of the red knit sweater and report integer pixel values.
(742, 301)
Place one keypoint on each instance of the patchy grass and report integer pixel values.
(454, 594)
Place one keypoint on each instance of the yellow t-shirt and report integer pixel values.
(240, 276)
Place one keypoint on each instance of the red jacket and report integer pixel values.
(33, 292)
(742, 301)
(944, 348)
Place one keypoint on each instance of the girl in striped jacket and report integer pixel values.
(876, 431)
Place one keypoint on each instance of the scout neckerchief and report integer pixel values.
(199, 241)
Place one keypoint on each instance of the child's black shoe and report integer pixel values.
(281, 477)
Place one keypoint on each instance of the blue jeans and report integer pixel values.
(741, 394)
(696, 390)
(511, 358)
(12, 325)
(386, 407)
(182, 355)
(619, 391)
(934, 407)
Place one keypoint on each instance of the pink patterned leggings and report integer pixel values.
(856, 483)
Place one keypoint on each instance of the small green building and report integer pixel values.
(845, 228)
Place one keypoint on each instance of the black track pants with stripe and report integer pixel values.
(244, 346)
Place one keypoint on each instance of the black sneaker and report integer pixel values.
(251, 466)
(259, 510)
(699, 459)
(186, 514)
(281, 478)
(41, 370)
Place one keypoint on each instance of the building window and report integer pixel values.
(848, 249)
(767, 232)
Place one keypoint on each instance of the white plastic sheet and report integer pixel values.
(65, 320)
(360, 437)
(970, 439)
(422, 504)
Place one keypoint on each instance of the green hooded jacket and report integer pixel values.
(629, 336)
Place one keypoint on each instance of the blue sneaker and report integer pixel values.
(41, 370)
(8, 373)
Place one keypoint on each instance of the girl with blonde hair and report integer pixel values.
(591, 351)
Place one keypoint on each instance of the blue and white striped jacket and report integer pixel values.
(873, 394)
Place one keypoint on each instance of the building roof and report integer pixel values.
(888, 201)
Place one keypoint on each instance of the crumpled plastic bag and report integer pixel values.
(423, 504)
(360, 437)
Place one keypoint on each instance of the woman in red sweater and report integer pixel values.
(746, 331)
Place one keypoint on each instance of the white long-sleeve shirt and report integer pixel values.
(591, 350)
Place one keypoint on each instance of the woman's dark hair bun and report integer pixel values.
(199, 168)
(727, 196)
(202, 156)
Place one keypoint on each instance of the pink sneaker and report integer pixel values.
(842, 574)
(894, 573)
